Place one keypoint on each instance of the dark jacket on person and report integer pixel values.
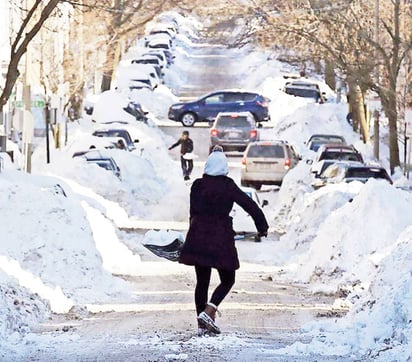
(210, 239)
(186, 145)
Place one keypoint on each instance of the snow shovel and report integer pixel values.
(170, 251)
(247, 235)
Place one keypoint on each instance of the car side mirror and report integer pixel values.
(265, 203)
(309, 162)
(136, 141)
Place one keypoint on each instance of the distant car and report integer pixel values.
(137, 111)
(305, 89)
(151, 71)
(316, 140)
(267, 162)
(149, 59)
(243, 223)
(206, 108)
(117, 132)
(159, 40)
(233, 131)
(159, 54)
(349, 171)
(135, 74)
(337, 152)
(160, 28)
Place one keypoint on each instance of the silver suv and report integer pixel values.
(233, 131)
(267, 162)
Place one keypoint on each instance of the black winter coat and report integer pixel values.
(186, 145)
(210, 239)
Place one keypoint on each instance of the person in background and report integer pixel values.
(186, 146)
(210, 239)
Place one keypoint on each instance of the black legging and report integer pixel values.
(227, 279)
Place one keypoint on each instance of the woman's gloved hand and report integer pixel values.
(263, 234)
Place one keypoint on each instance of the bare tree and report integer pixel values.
(342, 32)
(32, 23)
(120, 21)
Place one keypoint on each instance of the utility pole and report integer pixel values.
(28, 119)
(376, 112)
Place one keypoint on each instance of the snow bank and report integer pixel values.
(48, 245)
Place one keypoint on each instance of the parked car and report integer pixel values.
(108, 163)
(353, 171)
(318, 179)
(316, 140)
(119, 133)
(267, 162)
(150, 70)
(233, 131)
(337, 152)
(94, 156)
(206, 108)
(160, 28)
(305, 89)
(159, 54)
(149, 59)
(161, 41)
(136, 110)
(243, 223)
(127, 77)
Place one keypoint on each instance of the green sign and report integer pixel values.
(34, 104)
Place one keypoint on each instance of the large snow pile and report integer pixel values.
(48, 243)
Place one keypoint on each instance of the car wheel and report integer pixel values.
(188, 119)
(257, 120)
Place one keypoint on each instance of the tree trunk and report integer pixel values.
(330, 75)
(352, 104)
(388, 100)
(361, 112)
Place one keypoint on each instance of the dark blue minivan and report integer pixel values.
(206, 108)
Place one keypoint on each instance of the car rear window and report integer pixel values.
(228, 121)
(327, 139)
(274, 151)
(366, 173)
(345, 156)
(302, 92)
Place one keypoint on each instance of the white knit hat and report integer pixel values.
(216, 164)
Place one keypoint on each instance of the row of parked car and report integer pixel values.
(267, 162)
(336, 162)
(146, 69)
(104, 139)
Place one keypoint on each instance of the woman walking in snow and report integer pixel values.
(210, 240)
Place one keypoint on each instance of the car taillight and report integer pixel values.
(287, 164)
(244, 161)
(253, 133)
(214, 132)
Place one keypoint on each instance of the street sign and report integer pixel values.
(37, 103)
